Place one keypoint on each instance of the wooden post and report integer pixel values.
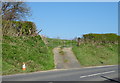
(78, 41)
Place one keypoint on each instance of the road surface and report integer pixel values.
(65, 60)
(103, 73)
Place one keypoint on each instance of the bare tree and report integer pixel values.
(15, 10)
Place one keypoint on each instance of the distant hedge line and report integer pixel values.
(18, 28)
(102, 38)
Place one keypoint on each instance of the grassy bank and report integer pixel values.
(52, 43)
(31, 50)
(38, 56)
(89, 54)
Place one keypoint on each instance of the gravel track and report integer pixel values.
(66, 59)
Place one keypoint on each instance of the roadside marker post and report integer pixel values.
(23, 67)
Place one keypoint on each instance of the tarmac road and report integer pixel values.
(100, 73)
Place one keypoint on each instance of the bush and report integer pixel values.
(101, 38)
(18, 28)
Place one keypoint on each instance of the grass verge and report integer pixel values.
(31, 50)
(96, 54)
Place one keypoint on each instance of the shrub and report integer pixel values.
(101, 38)
(18, 28)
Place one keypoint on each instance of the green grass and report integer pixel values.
(62, 52)
(90, 54)
(31, 50)
(38, 56)
(96, 54)
(65, 61)
(52, 43)
(0, 65)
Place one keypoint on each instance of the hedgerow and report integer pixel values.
(101, 38)
(18, 28)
